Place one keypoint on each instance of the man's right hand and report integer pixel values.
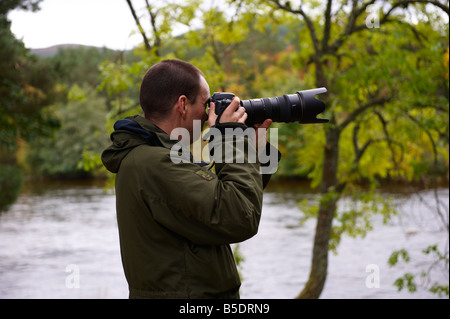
(233, 113)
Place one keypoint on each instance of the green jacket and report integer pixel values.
(176, 221)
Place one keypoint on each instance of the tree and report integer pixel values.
(8, 5)
(26, 86)
(390, 104)
(25, 89)
(81, 133)
(121, 79)
(162, 18)
(80, 110)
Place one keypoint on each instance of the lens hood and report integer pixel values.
(311, 106)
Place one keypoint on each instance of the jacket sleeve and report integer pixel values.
(205, 207)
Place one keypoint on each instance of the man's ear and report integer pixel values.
(181, 106)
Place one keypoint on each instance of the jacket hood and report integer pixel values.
(129, 133)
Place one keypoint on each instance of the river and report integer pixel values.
(60, 240)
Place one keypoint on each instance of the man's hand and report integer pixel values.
(236, 113)
(261, 135)
(233, 113)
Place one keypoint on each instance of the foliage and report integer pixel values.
(80, 110)
(7, 5)
(437, 260)
(409, 280)
(80, 65)
(378, 102)
(82, 130)
(26, 88)
(11, 181)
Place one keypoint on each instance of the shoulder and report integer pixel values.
(149, 153)
(144, 156)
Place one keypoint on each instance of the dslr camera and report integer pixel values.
(300, 107)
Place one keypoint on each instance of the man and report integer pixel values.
(176, 221)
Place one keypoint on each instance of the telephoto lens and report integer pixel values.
(301, 107)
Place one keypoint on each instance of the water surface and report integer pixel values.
(60, 240)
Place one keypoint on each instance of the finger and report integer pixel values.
(240, 111)
(243, 118)
(239, 114)
(266, 124)
(212, 116)
(232, 107)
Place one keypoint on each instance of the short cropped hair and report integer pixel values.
(164, 83)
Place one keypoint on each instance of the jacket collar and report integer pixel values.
(147, 125)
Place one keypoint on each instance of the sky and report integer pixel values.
(98, 23)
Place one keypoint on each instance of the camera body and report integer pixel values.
(221, 100)
(300, 107)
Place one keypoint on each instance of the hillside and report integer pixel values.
(51, 51)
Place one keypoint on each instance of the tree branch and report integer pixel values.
(359, 152)
(309, 23)
(372, 103)
(327, 28)
(157, 43)
(390, 143)
(138, 24)
(404, 3)
(351, 28)
(433, 144)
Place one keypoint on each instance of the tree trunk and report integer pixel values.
(319, 265)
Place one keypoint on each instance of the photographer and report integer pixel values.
(176, 221)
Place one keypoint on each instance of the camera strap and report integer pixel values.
(219, 116)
